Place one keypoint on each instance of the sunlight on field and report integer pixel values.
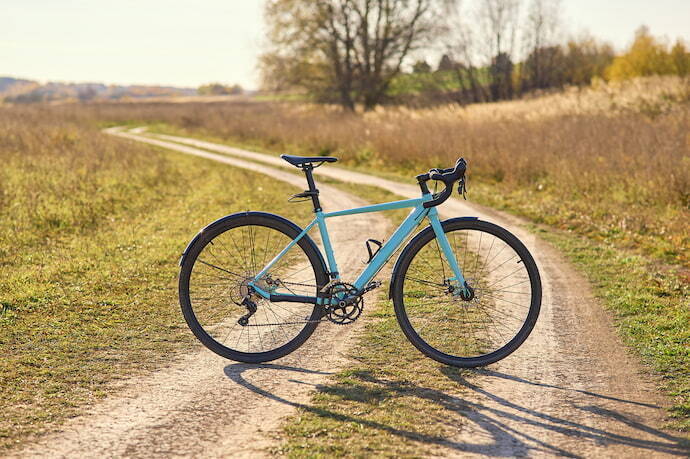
(92, 226)
(91, 230)
(652, 96)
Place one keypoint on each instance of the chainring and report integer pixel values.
(345, 305)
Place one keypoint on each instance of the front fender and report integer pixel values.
(407, 248)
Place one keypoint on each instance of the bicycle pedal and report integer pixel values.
(371, 286)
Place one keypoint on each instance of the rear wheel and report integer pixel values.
(499, 316)
(213, 283)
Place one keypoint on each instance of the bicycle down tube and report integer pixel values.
(411, 222)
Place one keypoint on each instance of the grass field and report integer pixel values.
(612, 163)
(652, 316)
(606, 169)
(91, 229)
(92, 226)
(393, 403)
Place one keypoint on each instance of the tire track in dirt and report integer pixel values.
(202, 404)
(571, 390)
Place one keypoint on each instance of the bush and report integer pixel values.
(217, 89)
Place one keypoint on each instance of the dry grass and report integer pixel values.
(652, 96)
(90, 226)
(60, 177)
(612, 163)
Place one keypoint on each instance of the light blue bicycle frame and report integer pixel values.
(411, 222)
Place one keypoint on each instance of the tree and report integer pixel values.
(499, 21)
(483, 37)
(544, 57)
(680, 59)
(585, 58)
(218, 89)
(501, 77)
(352, 48)
(645, 57)
(87, 93)
(446, 64)
(544, 68)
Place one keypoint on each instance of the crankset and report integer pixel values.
(345, 303)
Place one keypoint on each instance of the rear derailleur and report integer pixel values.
(251, 308)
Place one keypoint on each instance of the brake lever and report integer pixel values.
(462, 187)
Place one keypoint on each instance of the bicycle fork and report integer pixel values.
(459, 286)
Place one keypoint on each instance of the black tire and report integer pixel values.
(212, 283)
(492, 327)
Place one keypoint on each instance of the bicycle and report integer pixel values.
(254, 286)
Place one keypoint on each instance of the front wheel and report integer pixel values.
(467, 332)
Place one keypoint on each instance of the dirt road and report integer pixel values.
(570, 390)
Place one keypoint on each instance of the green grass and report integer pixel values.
(89, 262)
(392, 401)
(90, 234)
(634, 275)
(416, 83)
(648, 298)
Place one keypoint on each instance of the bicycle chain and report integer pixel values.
(286, 323)
(298, 284)
(369, 287)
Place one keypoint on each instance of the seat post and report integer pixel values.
(313, 191)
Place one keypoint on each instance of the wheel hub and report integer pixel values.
(466, 293)
(245, 289)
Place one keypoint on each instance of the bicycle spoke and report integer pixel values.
(424, 281)
(219, 268)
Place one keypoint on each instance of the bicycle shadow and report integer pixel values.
(492, 422)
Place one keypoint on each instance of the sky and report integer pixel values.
(189, 43)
